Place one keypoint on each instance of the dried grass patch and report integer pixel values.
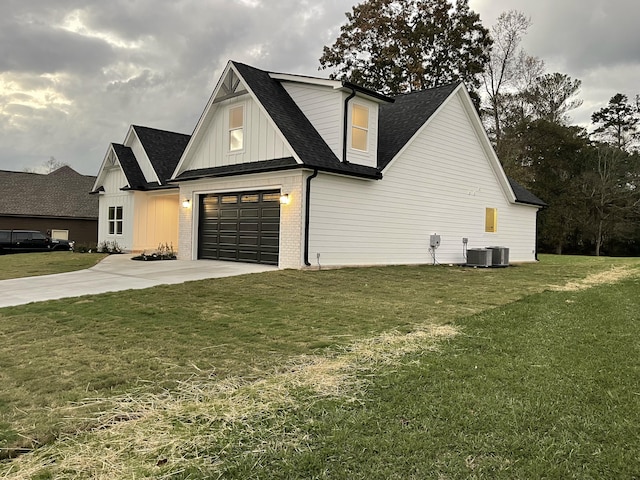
(614, 275)
(191, 428)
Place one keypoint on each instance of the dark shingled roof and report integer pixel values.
(130, 166)
(62, 193)
(295, 126)
(399, 121)
(523, 195)
(240, 169)
(164, 150)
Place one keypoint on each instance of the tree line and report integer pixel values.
(589, 178)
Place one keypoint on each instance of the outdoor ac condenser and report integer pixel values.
(499, 256)
(479, 257)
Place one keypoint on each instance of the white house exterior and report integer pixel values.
(368, 178)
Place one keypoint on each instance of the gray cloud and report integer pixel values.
(75, 73)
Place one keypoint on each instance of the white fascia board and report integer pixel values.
(483, 138)
(101, 173)
(323, 82)
(127, 143)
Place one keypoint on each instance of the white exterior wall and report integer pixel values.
(155, 221)
(114, 197)
(444, 191)
(323, 106)
(261, 141)
(291, 227)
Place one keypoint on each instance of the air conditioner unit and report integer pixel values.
(478, 257)
(499, 256)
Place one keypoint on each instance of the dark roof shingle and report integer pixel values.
(62, 193)
(163, 148)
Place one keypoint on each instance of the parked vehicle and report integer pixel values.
(17, 241)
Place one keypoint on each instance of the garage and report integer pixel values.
(240, 226)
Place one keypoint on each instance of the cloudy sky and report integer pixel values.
(74, 74)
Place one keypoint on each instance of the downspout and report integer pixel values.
(346, 127)
(307, 208)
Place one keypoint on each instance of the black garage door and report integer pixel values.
(243, 227)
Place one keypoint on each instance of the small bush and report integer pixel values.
(109, 247)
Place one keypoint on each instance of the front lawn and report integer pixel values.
(394, 372)
(45, 263)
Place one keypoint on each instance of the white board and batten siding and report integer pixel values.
(261, 140)
(113, 196)
(156, 221)
(441, 184)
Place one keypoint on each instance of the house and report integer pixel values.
(299, 171)
(58, 203)
(138, 207)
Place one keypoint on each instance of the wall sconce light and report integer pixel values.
(186, 203)
(284, 199)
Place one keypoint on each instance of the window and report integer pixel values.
(236, 128)
(359, 127)
(491, 220)
(115, 220)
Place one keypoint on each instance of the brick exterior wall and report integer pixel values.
(291, 215)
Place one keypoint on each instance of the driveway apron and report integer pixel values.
(116, 273)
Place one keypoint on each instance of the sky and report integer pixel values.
(74, 74)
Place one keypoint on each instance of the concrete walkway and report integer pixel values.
(115, 273)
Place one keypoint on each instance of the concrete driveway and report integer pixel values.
(115, 273)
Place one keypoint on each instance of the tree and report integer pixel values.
(547, 159)
(552, 96)
(611, 194)
(399, 46)
(47, 166)
(508, 72)
(616, 123)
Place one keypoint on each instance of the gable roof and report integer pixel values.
(398, 122)
(400, 118)
(294, 124)
(62, 193)
(163, 148)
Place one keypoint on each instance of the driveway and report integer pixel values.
(115, 273)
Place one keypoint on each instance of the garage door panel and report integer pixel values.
(241, 227)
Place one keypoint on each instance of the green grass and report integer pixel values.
(534, 381)
(45, 263)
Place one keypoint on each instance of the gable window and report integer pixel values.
(491, 220)
(115, 220)
(359, 127)
(236, 128)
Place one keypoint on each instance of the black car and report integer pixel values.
(16, 241)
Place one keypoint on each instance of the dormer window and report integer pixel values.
(359, 127)
(236, 128)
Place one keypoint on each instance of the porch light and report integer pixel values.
(186, 203)
(284, 199)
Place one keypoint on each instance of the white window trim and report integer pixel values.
(366, 130)
(115, 221)
(242, 128)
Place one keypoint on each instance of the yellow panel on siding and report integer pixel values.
(491, 220)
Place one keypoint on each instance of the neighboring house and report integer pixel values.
(367, 179)
(58, 203)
